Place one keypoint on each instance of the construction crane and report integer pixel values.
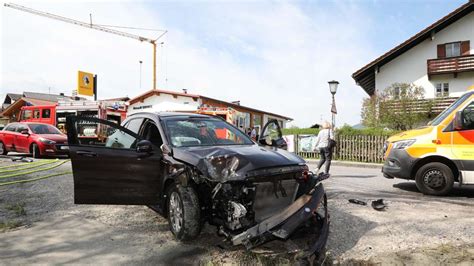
(95, 27)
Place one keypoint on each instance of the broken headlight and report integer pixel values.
(222, 167)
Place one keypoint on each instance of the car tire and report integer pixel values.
(184, 213)
(35, 151)
(3, 149)
(434, 179)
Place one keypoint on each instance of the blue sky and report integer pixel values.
(276, 56)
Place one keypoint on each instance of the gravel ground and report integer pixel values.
(412, 224)
(40, 224)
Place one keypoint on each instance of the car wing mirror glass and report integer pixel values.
(25, 132)
(166, 149)
(458, 121)
(144, 146)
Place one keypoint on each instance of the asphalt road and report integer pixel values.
(52, 230)
(411, 221)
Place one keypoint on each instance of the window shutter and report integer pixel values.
(465, 48)
(441, 51)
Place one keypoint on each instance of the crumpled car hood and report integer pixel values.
(251, 157)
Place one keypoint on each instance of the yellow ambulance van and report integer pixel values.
(439, 154)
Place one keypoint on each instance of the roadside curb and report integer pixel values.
(350, 164)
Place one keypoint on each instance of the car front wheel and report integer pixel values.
(184, 214)
(434, 179)
(35, 151)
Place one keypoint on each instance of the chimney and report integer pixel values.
(185, 91)
(236, 102)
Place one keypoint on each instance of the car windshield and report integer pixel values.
(43, 129)
(204, 132)
(449, 110)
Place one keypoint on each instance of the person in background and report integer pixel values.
(253, 134)
(323, 146)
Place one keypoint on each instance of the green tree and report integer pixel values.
(369, 112)
(401, 106)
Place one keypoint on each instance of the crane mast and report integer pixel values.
(95, 27)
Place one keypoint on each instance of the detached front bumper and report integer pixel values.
(309, 208)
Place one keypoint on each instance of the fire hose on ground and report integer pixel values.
(29, 166)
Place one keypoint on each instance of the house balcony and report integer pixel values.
(452, 65)
(425, 106)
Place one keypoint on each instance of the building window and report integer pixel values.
(36, 113)
(27, 114)
(442, 89)
(46, 113)
(453, 49)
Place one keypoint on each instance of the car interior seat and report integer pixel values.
(153, 135)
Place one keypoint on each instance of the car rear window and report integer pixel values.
(43, 129)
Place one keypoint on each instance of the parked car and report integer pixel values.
(37, 139)
(193, 169)
(439, 154)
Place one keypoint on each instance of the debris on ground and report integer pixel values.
(356, 201)
(379, 205)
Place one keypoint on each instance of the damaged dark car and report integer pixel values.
(196, 169)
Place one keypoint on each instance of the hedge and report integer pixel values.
(345, 130)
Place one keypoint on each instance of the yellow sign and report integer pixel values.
(85, 83)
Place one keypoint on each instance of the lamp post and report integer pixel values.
(333, 89)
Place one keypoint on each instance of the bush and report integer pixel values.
(300, 131)
(370, 131)
(345, 130)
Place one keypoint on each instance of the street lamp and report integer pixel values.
(333, 86)
(333, 89)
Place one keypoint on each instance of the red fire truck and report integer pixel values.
(56, 114)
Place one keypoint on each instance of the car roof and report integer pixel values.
(170, 115)
(27, 123)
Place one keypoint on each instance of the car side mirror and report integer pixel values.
(144, 146)
(458, 121)
(25, 132)
(281, 143)
(166, 149)
(265, 141)
(278, 143)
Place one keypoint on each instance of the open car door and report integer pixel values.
(272, 136)
(111, 164)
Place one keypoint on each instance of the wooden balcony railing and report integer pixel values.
(432, 106)
(452, 65)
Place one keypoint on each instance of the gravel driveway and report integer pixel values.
(41, 224)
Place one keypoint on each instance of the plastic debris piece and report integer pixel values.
(356, 201)
(379, 205)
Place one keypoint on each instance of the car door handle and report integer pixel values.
(86, 153)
